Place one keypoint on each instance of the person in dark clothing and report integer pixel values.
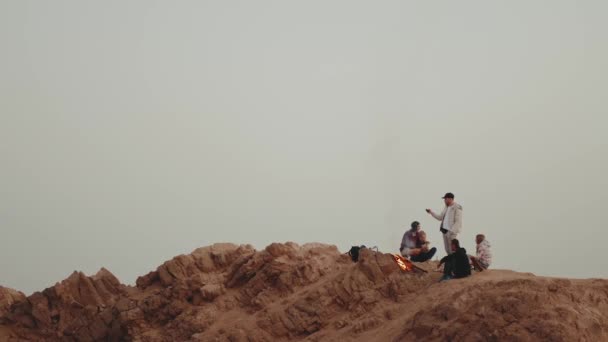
(456, 265)
(426, 253)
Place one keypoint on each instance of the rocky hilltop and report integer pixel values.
(312, 292)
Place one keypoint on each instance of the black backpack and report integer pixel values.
(354, 252)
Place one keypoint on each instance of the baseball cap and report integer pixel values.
(448, 195)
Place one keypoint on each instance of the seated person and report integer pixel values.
(426, 253)
(483, 257)
(409, 240)
(456, 264)
(414, 248)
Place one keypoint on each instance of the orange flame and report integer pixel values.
(404, 264)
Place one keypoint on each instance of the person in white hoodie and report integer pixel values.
(451, 220)
(483, 257)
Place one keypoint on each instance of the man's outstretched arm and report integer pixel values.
(438, 217)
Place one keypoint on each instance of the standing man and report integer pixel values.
(451, 220)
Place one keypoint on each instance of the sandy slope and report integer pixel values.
(313, 292)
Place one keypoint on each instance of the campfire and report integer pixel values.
(404, 264)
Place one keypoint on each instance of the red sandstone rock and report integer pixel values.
(313, 292)
(7, 298)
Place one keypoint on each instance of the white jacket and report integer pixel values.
(483, 252)
(453, 217)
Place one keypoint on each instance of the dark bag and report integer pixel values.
(354, 252)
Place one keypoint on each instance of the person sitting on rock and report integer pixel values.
(483, 257)
(426, 252)
(408, 242)
(456, 265)
(412, 247)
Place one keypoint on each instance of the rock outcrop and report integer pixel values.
(80, 307)
(7, 298)
(312, 292)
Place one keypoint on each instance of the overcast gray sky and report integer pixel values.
(133, 131)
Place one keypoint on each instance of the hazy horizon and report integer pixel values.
(131, 132)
